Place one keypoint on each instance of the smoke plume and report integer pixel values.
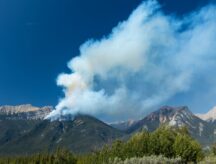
(142, 63)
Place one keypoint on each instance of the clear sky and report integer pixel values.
(38, 38)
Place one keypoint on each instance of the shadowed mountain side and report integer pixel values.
(13, 129)
(83, 134)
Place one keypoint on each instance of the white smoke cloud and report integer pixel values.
(145, 61)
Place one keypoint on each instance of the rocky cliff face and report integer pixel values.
(27, 112)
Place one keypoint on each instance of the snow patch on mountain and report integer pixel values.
(209, 116)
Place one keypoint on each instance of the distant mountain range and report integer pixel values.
(24, 130)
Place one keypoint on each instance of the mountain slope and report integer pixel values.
(177, 117)
(16, 121)
(83, 134)
(12, 129)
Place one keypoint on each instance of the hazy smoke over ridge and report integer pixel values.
(145, 61)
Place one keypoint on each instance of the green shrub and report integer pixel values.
(138, 145)
(213, 149)
(61, 156)
(187, 148)
(161, 142)
(208, 160)
(147, 160)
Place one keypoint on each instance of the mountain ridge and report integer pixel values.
(23, 112)
(23, 132)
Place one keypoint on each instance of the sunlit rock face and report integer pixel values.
(209, 116)
(27, 111)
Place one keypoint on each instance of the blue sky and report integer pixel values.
(38, 38)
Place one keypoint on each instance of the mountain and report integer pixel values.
(24, 130)
(177, 117)
(83, 134)
(25, 135)
(24, 112)
(209, 116)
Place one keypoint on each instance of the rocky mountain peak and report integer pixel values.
(177, 117)
(166, 113)
(209, 116)
(166, 109)
(26, 111)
